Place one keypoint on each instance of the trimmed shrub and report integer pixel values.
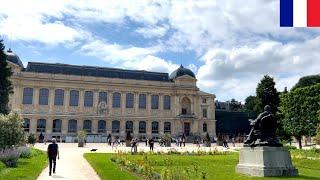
(317, 138)
(11, 130)
(25, 152)
(10, 157)
(32, 139)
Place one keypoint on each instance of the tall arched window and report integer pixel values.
(87, 126)
(167, 127)
(72, 126)
(43, 96)
(41, 125)
(155, 127)
(88, 99)
(56, 125)
(142, 101)
(142, 127)
(154, 102)
(115, 126)
(103, 97)
(205, 127)
(129, 127)
(116, 100)
(101, 126)
(166, 102)
(74, 98)
(27, 96)
(58, 97)
(26, 125)
(129, 100)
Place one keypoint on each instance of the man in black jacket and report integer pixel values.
(53, 152)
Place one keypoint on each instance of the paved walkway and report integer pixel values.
(71, 165)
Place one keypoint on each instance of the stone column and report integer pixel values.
(109, 126)
(66, 100)
(35, 99)
(81, 100)
(135, 128)
(80, 124)
(94, 126)
(95, 101)
(148, 103)
(51, 99)
(148, 128)
(160, 102)
(161, 126)
(109, 102)
(136, 102)
(123, 102)
(49, 125)
(64, 127)
(122, 128)
(33, 125)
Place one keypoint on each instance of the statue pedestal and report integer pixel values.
(265, 161)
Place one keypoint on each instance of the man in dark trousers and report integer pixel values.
(53, 152)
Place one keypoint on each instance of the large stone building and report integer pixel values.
(60, 99)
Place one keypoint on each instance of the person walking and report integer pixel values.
(151, 144)
(53, 153)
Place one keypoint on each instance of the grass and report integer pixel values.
(105, 168)
(217, 166)
(27, 169)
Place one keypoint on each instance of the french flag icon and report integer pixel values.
(300, 13)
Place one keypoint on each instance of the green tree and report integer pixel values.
(307, 81)
(5, 84)
(300, 109)
(267, 94)
(11, 130)
(252, 104)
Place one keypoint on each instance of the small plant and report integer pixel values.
(32, 139)
(10, 157)
(81, 138)
(25, 152)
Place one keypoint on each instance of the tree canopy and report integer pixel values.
(5, 84)
(307, 81)
(300, 108)
(267, 94)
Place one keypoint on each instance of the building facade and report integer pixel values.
(59, 100)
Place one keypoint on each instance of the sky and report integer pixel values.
(229, 44)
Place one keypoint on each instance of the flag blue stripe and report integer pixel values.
(286, 13)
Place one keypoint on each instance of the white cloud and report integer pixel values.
(153, 31)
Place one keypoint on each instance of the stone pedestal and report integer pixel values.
(265, 161)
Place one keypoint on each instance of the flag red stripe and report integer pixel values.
(313, 15)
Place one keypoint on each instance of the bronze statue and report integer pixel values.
(263, 131)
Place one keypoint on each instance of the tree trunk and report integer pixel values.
(300, 143)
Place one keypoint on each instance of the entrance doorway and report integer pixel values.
(187, 128)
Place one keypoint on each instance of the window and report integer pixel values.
(166, 102)
(142, 127)
(103, 97)
(58, 97)
(204, 113)
(142, 101)
(27, 96)
(155, 127)
(72, 126)
(87, 126)
(74, 98)
(116, 100)
(41, 125)
(43, 96)
(205, 127)
(167, 127)
(88, 99)
(129, 100)
(115, 126)
(129, 127)
(26, 125)
(56, 125)
(184, 111)
(101, 126)
(155, 102)
(204, 100)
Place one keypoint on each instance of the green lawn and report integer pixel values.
(217, 166)
(28, 169)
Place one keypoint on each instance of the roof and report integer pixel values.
(13, 57)
(181, 71)
(66, 69)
